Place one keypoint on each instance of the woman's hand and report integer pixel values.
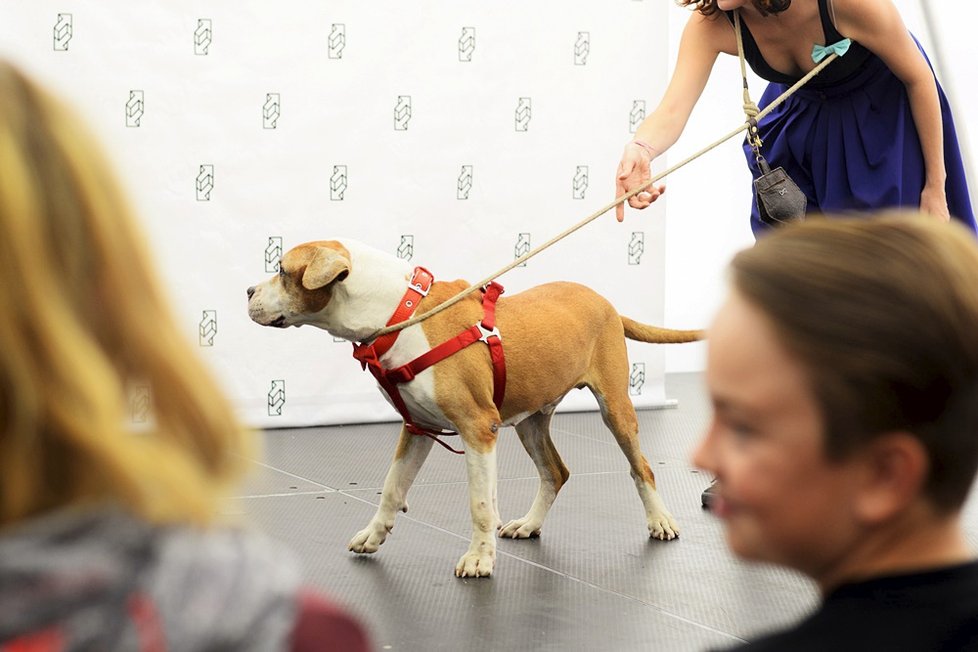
(635, 171)
(933, 202)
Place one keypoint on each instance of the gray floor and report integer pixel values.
(592, 581)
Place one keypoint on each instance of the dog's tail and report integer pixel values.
(655, 335)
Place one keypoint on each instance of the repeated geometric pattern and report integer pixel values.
(455, 134)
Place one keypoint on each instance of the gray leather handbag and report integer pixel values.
(779, 199)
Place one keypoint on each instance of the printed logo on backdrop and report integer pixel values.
(337, 41)
(522, 247)
(276, 398)
(636, 247)
(579, 186)
(271, 111)
(203, 36)
(523, 114)
(405, 250)
(582, 47)
(466, 44)
(134, 109)
(636, 379)
(337, 183)
(636, 115)
(273, 254)
(402, 112)
(208, 328)
(205, 182)
(464, 185)
(63, 31)
(139, 403)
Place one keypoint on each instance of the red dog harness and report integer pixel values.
(485, 331)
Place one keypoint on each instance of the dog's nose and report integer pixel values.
(251, 291)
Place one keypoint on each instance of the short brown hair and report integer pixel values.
(883, 314)
(709, 7)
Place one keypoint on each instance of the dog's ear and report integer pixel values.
(326, 265)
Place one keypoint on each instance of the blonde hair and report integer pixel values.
(883, 313)
(83, 318)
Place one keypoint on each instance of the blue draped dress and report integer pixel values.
(848, 138)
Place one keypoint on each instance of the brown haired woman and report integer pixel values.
(843, 372)
(873, 130)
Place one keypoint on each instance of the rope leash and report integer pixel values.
(750, 108)
(417, 319)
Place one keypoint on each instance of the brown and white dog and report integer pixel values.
(556, 337)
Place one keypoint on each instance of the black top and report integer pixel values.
(837, 71)
(929, 611)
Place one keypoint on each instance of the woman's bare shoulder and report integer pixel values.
(714, 33)
(866, 19)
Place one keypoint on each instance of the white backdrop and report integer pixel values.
(454, 133)
(338, 69)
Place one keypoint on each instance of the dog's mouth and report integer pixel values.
(278, 322)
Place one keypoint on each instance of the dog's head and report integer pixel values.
(299, 293)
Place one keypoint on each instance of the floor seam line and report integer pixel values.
(286, 494)
(293, 475)
(553, 571)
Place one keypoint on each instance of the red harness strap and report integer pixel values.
(149, 626)
(46, 640)
(142, 613)
(418, 288)
(389, 379)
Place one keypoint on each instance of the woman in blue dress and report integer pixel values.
(873, 130)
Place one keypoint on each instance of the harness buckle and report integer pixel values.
(487, 333)
(366, 355)
(421, 281)
(400, 375)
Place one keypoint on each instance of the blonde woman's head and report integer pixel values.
(82, 321)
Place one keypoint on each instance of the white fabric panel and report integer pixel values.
(456, 133)
(943, 28)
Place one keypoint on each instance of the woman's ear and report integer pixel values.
(894, 470)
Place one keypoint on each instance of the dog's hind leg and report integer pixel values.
(534, 433)
(412, 451)
(619, 415)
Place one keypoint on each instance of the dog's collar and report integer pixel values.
(418, 287)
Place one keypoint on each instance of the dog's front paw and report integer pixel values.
(663, 527)
(476, 564)
(368, 539)
(521, 528)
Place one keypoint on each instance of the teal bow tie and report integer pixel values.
(819, 52)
